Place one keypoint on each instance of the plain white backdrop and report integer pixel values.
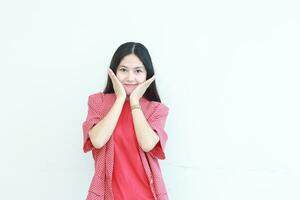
(228, 71)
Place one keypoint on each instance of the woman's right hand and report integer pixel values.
(118, 87)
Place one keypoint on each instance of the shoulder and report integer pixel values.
(159, 106)
(96, 96)
(100, 96)
(103, 99)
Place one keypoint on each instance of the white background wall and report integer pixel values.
(228, 70)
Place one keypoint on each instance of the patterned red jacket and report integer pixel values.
(101, 184)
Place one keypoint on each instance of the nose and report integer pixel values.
(130, 77)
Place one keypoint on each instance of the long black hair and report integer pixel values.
(142, 53)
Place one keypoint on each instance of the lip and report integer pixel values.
(130, 85)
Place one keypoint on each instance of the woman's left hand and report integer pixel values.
(139, 91)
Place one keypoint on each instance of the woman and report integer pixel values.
(124, 128)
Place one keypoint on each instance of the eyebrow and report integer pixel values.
(134, 68)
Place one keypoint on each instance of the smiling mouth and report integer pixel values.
(130, 84)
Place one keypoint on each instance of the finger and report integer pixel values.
(111, 71)
(150, 80)
(114, 77)
(112, 74)
(153, 78)
(147, 83)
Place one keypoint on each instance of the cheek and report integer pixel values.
(142, 79)
(120, 77)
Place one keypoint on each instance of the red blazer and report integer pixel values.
(101, 184)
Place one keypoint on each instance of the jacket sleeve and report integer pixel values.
(157, 122)
(94, 115)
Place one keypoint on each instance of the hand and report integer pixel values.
(118, 87)
(139, 91)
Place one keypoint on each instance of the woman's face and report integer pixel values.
(131, 72)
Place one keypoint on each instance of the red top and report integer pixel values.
(99, 104)
(129, 180)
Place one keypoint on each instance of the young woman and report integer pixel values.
(124, 129)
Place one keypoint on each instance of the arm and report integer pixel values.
(103, 130)
(146, 137)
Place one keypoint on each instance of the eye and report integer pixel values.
(139, 71)
(122, 69)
